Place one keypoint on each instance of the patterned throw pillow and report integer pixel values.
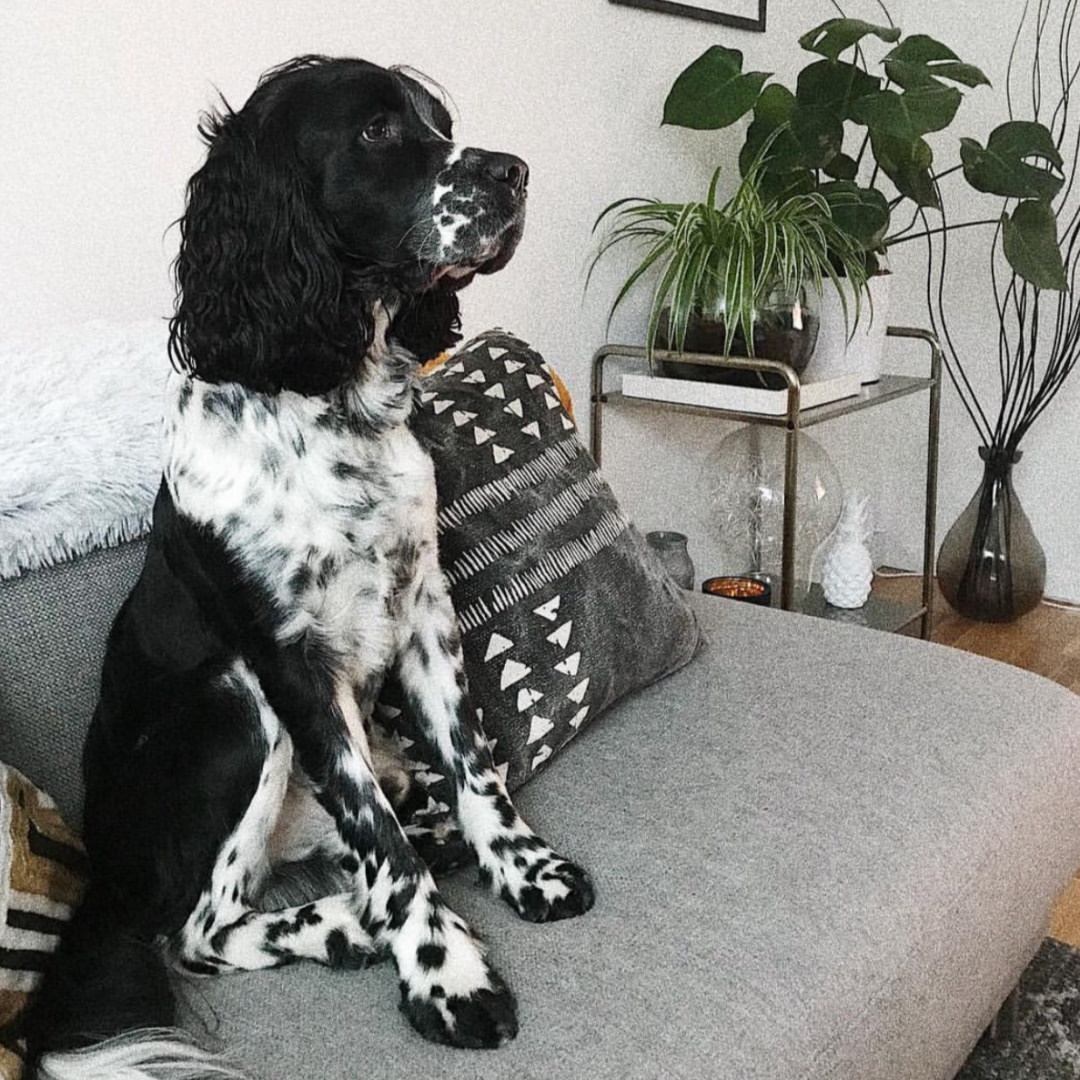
(563, 607)
(42, 875)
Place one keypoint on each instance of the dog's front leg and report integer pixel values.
(449, 991)
(520, 867)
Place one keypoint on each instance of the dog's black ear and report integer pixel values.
(262, 297)
(428, 324)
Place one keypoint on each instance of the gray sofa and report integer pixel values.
(819, 851)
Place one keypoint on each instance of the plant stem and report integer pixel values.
(1012, 60)
(947, 172)
(888, 16)
(939, 324)
(900, 238)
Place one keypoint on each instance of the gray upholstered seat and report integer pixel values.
(819, 851)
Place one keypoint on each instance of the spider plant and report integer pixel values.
(726, 261)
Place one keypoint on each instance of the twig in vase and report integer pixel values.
(1036, 354)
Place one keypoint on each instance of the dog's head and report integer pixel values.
(337, 185)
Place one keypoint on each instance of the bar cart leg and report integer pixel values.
(933, 433)
(930, 539)
(597, 399)
(791, 493)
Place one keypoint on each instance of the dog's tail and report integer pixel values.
(106, 1011)
(147, 1054)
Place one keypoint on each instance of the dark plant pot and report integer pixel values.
(991, 567)
(776, 337)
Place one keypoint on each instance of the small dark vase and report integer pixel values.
(671, 549)
(990, 566)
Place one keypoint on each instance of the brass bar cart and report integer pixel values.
(881, 614)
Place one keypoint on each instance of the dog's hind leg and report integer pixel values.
(537, 883)
(223, 931)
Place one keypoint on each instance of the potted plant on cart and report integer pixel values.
(990, 565)
(853, 130)
(737, 278)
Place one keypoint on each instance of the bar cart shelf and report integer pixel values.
(878, 613)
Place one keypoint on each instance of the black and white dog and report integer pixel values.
(291, 567)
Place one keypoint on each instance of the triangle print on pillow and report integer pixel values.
(563, 609)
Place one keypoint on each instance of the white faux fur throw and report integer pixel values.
(80, 439)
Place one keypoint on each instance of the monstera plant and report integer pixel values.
(850, 121)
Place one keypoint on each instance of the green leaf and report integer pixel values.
(771, 128)
(862, 213)
(842, 167)
(1004, 168)
(819, 133)
(920, 60)
(713, 92)
(1029, 239)
(833, 36)
(907, 165)
(911, 76)
(921, 49)
(797, 136)
(779, 186)
(775, 107)
(909, 115)
(835, 85)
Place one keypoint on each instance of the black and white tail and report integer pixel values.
(148, 1054)
(106, 1011)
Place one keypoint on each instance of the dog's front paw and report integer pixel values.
(540, 885)
(562, 891)
(449, 991)
(482, 1019)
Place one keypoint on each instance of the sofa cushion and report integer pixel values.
(820, 852)
(54, 623)
(42, 873)
(563, 606)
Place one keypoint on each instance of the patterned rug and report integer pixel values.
(1046, 1044)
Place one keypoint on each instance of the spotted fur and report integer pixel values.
(293, 564)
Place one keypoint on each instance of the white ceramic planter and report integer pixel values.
(835, 355)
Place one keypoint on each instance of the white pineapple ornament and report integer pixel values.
(847, 572)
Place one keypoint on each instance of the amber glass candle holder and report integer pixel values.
(750, 590)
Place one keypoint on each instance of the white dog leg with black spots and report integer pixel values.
(449, 991)
(224, 932)
(515, 863)
(327, 930)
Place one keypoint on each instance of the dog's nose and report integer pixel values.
(507, 169)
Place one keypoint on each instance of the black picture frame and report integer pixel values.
(693, 11)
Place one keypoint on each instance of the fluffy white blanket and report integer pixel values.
(80, 439)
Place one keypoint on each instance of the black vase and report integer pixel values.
(670, 547)
(990, 566)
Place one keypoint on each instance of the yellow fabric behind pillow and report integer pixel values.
(42, 877)
(565, 399)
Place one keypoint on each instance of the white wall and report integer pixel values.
(98, 138)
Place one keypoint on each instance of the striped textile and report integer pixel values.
(42, 874)
(563, 607)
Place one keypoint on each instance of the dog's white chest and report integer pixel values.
(330, 524)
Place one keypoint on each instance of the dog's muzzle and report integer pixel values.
(478, 210)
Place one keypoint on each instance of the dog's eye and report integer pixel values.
(377, 130)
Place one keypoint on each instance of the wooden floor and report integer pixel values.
(1045, 641)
